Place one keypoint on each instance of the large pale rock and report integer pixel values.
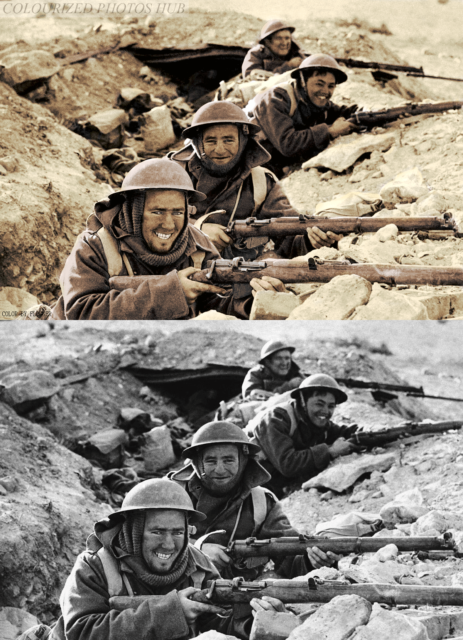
(22, 70)
(272, 305)
(335, 620)
(384, 625)
(106, 127)
(389, 232)
(212, 314)
(158, 452)
(14, 301)
(405, 187)
(354, 203)
(343, 154)
(158, 131)
(336, 300)
(15, 621)
(389, 552)
(390, 305)
(387, 572)
(436, 521)
(437, 303)
(324, 253)
(406, 507)
(344, 473)
(435, 201)
(214, 635)
(273, 625)
(23, 390)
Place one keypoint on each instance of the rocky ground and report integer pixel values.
(52, 487)
(74, 129)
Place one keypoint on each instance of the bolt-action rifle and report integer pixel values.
(383, 391)
(297, 545)
(379, 69)
(237, 591)
(381, 437)
(294, 226)
(369, 119)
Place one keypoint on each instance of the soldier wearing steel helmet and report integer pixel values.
(223, 478)
(297, 437)
(135, 257)
(275, 51)
(142, 549)
(297, 118)
(276, 372)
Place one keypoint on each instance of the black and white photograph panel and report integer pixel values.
(169, 160)
(163, 482)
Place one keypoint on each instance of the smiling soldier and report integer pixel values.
(142, 233)
(276, 372)
(276, 51)
(297, 437)
(223, 480)
(297, 118)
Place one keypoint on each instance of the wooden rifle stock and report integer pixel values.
(294, 546)
(376, 118)
(294, 226)
(238, 271)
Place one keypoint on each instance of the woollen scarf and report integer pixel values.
(131, 220)
(130, 540)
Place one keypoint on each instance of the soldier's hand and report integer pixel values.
(193, 290)
(216, 233)
(216, 553)
(260, 74)
(294, 62)
(342, 127)
(261, 394)
(266, 283)
(319, 558)
(267, 603)
(295, 382)
(192, 609)
(319, 238)
(341, 447)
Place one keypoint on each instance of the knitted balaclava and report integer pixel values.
(130, 540)
(219, 170)
(208, 483)
(131, 221)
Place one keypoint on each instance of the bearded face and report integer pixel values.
(220, 467)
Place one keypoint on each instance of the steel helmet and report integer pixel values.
(321, 61)
(160, 493)
(272, 347)
(161, 173)
(222, 112)
(271, 27)
(321, 381)
(219, 432)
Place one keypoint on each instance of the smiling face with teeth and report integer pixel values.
(163, 538)
(320, 408)
(163, 218)
(320, 87)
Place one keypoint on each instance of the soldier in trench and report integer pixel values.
(297, 118)
(274, 53)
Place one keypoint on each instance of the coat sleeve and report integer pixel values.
(252, 381)
(273, 436)
(277, 525)
(276, 204)
(87, 292)
(87, 614)
(253, 60)
(272, 115)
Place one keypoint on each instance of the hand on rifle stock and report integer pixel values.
(342, 127)
(319, 238)
(341, 447)
(266, 283)
(319, 558)
(216, 553)
(216, 233)
(193, 609)
(266, 603)
(193, 290)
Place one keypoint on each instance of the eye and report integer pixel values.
(178, 213)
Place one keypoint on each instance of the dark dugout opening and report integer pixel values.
(198, 392)
(197, 70)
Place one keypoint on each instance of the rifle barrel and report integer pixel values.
(294, 226)
(372, 118)
(289, 591)
(294, 546)
(236, 271)
(383, 436)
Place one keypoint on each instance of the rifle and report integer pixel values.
(239, 271)
(378, 118)
(414, 72)
(295, 226)
(297, 545)
(381, 437)
(381, 390)
(237, 591)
